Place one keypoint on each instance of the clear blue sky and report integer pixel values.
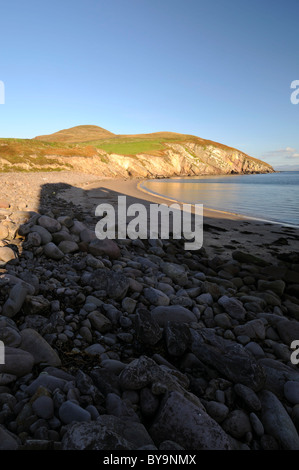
(217, 69)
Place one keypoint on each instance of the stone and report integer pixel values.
(115, 284)
(254, 329)
(205, 299)
(256, 424)
(47, 381)
(223, 320)
(291, 392)
(6, 254)
(106, 433)
(50, 224)
(129, 305)
(3, 232)
(237, 424)
(9, 333)
(196, 431)
(177, 338)
(229, 358)
(217, 411)
(52, 251)
(70, 412)
(117, 407)
(44, 234)
(68, 246)
(277, 422)
(17, 362)
(176, 272)
(149, 403)
(174, 313)
(288, 330)
(104, 247)
(95, 349)
(248, 396)
(277, 286)
(7, 440)
(147, 328)
(15, 300)
(99, 321)
(38, 347)
(36, 304)
(43, 407)
(155, 296)
(233, 307)
(255, 349)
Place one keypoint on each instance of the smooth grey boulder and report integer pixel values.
(15, 300)
(17, 362)
(191, 427)
(277, 422)
(49, 223)
(70, 412)
(36, 345)
(173, 313)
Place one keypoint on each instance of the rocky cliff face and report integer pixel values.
(178, 159)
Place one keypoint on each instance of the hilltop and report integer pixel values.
(95, 150)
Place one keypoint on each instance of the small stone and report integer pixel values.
(256, 424)
(155, 296)
(237, 424)
(43, 407)
(104, 247)
(249, 397)
(44, 234)
(52, 251)
(50, 224)
(70, 412)
(233, 307)
(68, 246)
(217, 411)
(291, 392)
(99, 322)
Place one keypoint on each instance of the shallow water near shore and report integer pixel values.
(271, 197)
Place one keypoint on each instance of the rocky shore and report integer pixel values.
(138, 344)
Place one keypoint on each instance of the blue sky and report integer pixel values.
(218, 69)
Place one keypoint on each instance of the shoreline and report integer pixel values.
(224, 232)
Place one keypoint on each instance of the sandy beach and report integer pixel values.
(224, 232)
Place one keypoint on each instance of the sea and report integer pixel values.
(271, 197)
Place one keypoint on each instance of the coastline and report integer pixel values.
(224, 232)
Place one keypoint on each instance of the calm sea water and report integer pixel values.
(273, 197)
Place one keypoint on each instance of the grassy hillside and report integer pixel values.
(59, 151)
